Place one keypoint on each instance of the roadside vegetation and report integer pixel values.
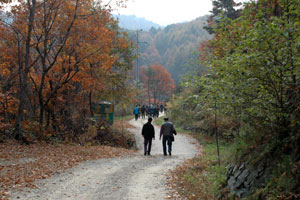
(248, 97)
(202, 177)
(118, 134)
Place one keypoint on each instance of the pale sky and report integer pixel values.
(165, 12)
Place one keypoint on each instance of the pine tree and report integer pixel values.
(225, 8)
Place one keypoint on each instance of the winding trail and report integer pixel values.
(134, 177)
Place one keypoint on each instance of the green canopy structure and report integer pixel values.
(104, 110)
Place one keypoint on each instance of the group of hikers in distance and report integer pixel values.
(148, 110)
(167, 130)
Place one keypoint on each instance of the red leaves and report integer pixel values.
(21, 165)
(157, 81)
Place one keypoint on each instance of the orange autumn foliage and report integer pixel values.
(158, 83)
(60, 57)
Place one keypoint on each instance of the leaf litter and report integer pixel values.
(22, 165)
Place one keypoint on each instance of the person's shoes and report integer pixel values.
(170, 153)
(165, 154)
(145, 153)
(149, 154)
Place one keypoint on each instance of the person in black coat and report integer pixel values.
(143, 110)
(148, 132)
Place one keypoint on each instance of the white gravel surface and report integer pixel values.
(134, 177)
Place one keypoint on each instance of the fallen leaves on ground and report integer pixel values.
(188, 180)
(21, 165)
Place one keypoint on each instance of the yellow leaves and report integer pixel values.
(5, 71)
(8, 106)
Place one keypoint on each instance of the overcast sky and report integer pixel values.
(165, 12)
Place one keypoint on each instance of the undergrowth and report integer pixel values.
(116, 135)
(202, 177)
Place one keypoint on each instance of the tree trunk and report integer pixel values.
(23, 73)
(90, 104)
(41, 102)
(148, 90)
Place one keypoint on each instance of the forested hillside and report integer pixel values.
(172, 46)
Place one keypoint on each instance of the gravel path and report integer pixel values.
(134, 177)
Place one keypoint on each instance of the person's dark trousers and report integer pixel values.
(136, 116)
(147, 143)
(167, 139)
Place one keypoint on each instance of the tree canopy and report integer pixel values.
(57, 58)
(158, 83)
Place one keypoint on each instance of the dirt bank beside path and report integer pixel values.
(133, 177)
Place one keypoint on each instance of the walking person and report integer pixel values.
(147, 111)
(161, 108)
(152, 111)
(157, 111)
(148, 132)
(136, 112)
(143, 110)
(139, 107)
(167, 130)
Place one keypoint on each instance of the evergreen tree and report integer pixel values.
(224, 8)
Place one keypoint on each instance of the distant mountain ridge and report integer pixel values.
(173, 46)
(131, 22)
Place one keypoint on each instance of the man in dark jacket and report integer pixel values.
(148, 132)
(167, 130)
(143, 110)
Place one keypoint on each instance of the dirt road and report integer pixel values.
(134, 177)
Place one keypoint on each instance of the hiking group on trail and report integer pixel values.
(148, 110)
(167, 132)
